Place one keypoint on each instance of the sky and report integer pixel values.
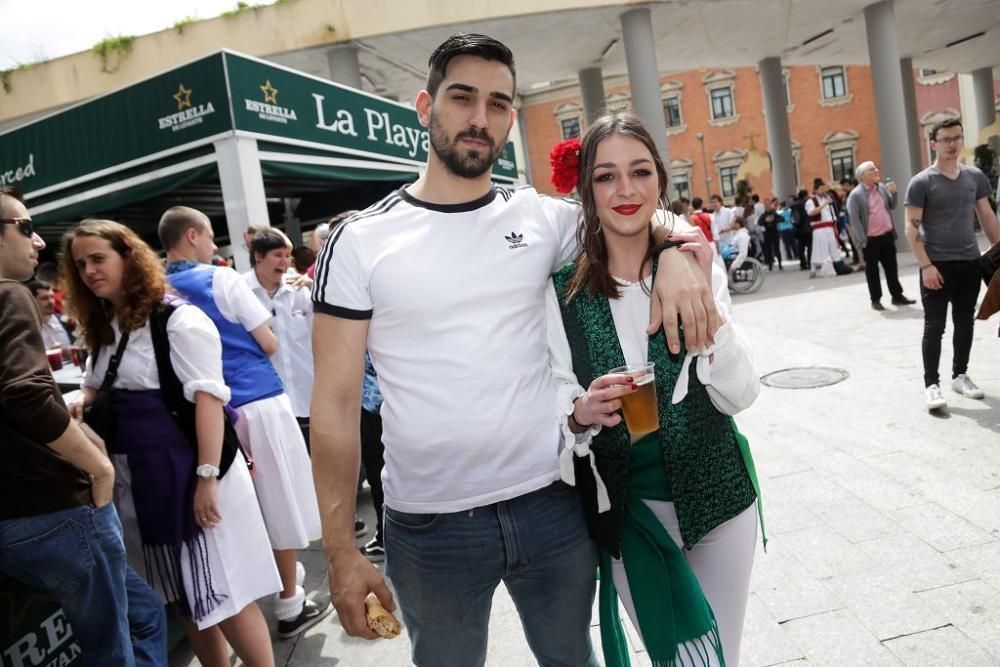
(34, 30)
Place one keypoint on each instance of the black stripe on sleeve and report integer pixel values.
(339, 311)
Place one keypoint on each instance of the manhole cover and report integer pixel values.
(804, 378)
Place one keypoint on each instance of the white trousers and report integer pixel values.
(824, 244)
(721, 561)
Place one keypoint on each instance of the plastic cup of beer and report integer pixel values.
(641, 412)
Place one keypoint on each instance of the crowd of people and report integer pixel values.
(475, 347)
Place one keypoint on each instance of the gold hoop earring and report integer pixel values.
(598, 229)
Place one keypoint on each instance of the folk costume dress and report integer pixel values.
(211, 573)
(650, 504)
(267, 428)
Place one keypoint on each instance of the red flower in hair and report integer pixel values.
(565, 160)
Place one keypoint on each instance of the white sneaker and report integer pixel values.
(935, 399)
(964, 385)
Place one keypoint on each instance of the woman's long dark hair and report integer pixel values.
(591, 267)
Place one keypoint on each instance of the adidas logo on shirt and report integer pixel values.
(516, 240)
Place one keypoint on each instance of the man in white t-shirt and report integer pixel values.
(722, 219)
(444, 282)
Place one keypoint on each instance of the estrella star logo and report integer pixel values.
(183, 97)
(270, 92)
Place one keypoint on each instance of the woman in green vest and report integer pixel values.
(672, 510)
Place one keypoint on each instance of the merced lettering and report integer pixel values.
(12, 176)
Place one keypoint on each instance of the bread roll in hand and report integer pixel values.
(380, 620)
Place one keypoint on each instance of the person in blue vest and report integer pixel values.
(671, 502)
(267, 427)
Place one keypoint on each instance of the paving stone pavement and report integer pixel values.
(884, 520)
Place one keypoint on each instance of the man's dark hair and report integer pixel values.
(36, 286)
(944, 124)
(468, 44)
(716, 196)
(175, 222)
(303, 257)
(11, 191)
(755, 197)
(14, 193)
(801, 194)
(696, 203)
(817, 182)
(266, 241)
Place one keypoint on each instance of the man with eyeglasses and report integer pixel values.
(58, 529)
(942, 203)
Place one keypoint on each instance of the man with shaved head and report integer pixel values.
(267, 427)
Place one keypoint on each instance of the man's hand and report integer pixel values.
(682, 292)
(891, 187)
(696, 243)
(352, 577)
(931, 277)
(300, 281)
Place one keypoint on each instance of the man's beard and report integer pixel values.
(465, 164)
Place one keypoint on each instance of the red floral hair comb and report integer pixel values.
(565, 160)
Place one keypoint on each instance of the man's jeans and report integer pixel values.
(445, 568)
(79, 556)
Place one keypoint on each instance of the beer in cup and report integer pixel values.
(639, 407)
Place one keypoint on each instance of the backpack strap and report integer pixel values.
(172, 390)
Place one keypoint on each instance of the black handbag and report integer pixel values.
(99, 415)
(181, 409)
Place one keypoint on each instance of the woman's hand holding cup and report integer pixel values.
(600, 403)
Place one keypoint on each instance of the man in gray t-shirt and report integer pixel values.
(942, 203)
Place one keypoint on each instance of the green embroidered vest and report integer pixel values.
(708, 477)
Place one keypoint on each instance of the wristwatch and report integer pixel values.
(207, 471)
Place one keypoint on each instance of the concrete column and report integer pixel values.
(912, 120)
(779, 138)
(242, 192)
(887, 84)
(986, 112)
(592, 91)
(344, 67)
(644, 75)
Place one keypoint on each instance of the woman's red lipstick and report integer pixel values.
(626, 209)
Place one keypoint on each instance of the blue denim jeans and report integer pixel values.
(78, 555)
(445, 568)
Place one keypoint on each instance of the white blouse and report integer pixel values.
(726, 368)
(195, 353)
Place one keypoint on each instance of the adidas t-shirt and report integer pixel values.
(456, 299)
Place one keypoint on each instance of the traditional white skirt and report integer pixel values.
(239, 553)
(824, 245)
(282, 472)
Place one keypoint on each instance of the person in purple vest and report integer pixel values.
(197, 538)
(267, 426)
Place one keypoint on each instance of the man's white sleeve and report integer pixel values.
(564, 216)
(343, 278)
(236, 301)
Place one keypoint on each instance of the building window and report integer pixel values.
(722, 103)
(727, 180)
(925, 72)
(570, 127)
(672, 111)
(834, 82)
(681, 185)
(841, 164)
